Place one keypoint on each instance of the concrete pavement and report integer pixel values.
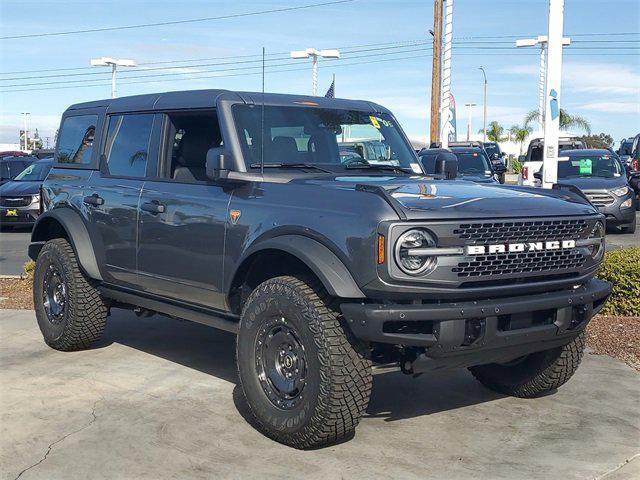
(13, 250)
(157, 399)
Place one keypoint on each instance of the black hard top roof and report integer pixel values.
(466, 149)
(208, 99)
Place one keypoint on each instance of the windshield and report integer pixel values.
(473, 163)
(492, 148)
(321, 136)
(589, 166)
(626, 148)
(36, 172)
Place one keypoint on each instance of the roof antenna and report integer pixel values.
(262, 121)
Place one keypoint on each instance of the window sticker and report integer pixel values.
(374, 121)
(586, 166)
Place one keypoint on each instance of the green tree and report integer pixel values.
(566, 121)
(495, 132)
(520, 134)
(601, 140)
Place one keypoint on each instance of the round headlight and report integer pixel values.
(409, 260)
(597, 250)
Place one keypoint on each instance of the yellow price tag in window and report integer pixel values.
(374, 121)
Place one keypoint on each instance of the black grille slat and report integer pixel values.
(520, 263)
(520, 231)
(15, 201)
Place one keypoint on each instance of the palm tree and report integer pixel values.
(566, 121)
(495, 132)
(520, 134)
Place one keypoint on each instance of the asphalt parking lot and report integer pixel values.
(13, 247)
(157, 399)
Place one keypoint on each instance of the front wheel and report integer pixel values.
(306, 380)
(534, 374)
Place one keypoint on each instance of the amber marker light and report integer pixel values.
(380, 249)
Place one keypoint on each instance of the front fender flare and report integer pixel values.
(76, 232)
(331, 271)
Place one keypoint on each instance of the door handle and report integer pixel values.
(94, 200)
(154, 207)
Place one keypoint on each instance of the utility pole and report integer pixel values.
(446, 117)
(552, 98)
(484, 114)
(469, 107)
(434, 130)
(114, 63)
(313, 54)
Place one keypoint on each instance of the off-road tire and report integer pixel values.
(85, 312)
(339, 375)
(535, 374)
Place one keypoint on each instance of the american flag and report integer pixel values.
(331, 93)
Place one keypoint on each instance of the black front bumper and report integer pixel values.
(481, 331)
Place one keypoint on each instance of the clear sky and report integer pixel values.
(601, 74)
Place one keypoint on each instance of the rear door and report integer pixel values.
(183, 216)
(112, 199)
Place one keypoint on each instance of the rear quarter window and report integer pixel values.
(75, 142)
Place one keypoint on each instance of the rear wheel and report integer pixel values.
(534, 374)
(306, 381)
(71, 313)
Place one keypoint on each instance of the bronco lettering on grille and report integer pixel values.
(520, 247)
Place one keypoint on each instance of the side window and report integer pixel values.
(75, 143)
(127, 145)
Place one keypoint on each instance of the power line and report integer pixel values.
(336, 65)
(176, 22)
(457, 40)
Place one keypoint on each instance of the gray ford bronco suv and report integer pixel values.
(237, 211)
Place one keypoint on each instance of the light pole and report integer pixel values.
(484, 115)
(469, 106)
(542, 41)
(114, 63)
(314, 54)
(26, 132)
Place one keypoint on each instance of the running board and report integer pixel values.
(210, 318)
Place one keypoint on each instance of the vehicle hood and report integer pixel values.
(479, 178)
(595, 183)
(428, 198)
(20, 188)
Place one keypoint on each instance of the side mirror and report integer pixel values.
(537, 175)
(218, 164)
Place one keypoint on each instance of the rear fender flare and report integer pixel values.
(76, 232)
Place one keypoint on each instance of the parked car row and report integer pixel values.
(20, 197)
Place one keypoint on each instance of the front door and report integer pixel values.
(182, 228)
(183, 216)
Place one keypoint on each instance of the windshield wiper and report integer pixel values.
(291, 165)
(373, 166)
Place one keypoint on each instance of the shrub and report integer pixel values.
(516, 166)
(29, 268)
(622, 268)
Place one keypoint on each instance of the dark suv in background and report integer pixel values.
(238, 211)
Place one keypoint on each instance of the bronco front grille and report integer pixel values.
(15, 201)
(519, 231)
(600, 199)
(523, 262)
